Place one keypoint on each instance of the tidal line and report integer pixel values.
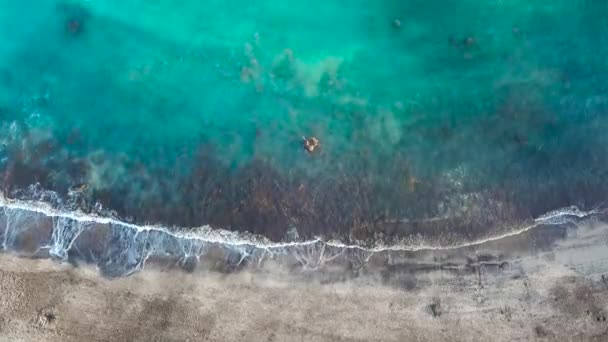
(233, 239)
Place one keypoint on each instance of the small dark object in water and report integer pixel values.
(396, 23)
(311, 144)
(469, 41)
(80, 188)
(462, 43)
(516, 30)
(74, 26)
(74, 17)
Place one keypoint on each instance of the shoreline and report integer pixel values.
(117, 248)
(542, 293)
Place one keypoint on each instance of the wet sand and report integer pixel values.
(543, 289)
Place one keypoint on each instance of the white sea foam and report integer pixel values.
(131, 244)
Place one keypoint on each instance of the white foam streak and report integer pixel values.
(234, 239)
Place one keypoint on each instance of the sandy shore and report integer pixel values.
(556, 293)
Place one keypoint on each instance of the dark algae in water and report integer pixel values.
(452, 120)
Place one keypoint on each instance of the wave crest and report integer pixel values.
(118, 248)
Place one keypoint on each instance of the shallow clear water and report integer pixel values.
(191, 113)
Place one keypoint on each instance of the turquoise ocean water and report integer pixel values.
(440, 117)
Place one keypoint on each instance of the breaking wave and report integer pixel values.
(118, 248)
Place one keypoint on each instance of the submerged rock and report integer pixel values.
(75, 18)
(311, 144)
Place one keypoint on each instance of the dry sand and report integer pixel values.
(554, 294)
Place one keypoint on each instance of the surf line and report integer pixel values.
(234, 239)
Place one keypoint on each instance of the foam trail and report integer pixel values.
(119, 248)
(65, 232)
